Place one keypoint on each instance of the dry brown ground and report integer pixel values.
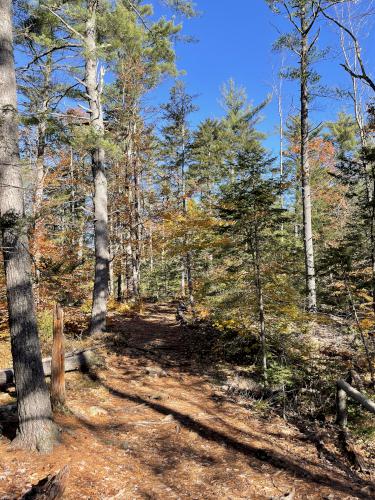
(152, 426)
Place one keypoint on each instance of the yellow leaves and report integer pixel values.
(227, 324)
(202, 312)
(364, 295)
(126, 308)
(291, 311)
(367, 324)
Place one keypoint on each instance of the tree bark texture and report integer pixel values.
(93, 84)
(36, 429)
(58, 359)
(305, 170)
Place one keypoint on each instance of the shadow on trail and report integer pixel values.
(167, 344)
(153, 338)
(273, 458)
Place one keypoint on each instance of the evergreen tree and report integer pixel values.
(303, 15)
(176, 157)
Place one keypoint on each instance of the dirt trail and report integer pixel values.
(153, 427)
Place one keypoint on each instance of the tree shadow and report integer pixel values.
(273, 458)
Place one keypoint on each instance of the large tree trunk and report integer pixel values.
(93, 89)
(36, 428)
(305, 171)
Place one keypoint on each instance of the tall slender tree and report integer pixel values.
(303, 14)
(94, 81)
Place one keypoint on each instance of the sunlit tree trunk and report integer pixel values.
(305, 168)
(36, 429)
(93, 88)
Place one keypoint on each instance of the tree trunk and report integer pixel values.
(341, 408)
(36, 429)
(136, 219)
(372, 236)
(305, 170)
(93, 90)
(189, 278)
(259, 290)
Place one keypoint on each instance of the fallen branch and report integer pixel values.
(81, 360)
(356, 395)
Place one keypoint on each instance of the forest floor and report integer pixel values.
(152, 424)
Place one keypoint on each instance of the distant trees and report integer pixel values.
(176, 157)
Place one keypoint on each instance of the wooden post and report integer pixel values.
(341, 413)
(58, 358)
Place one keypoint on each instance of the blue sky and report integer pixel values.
(235, 41)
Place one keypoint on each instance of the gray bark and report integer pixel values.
(93, 90)
(36, 429)
(305, 169)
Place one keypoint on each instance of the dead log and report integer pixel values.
(49, 488)
(81, 360)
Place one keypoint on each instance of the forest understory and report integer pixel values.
(154, 421)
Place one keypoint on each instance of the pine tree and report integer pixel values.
(303, 14)
(176, 155)
(36, 429)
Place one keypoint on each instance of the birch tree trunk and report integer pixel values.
(93, 89)
(36, 429)
(305, 169)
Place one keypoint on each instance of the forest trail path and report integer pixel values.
(152, 426)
